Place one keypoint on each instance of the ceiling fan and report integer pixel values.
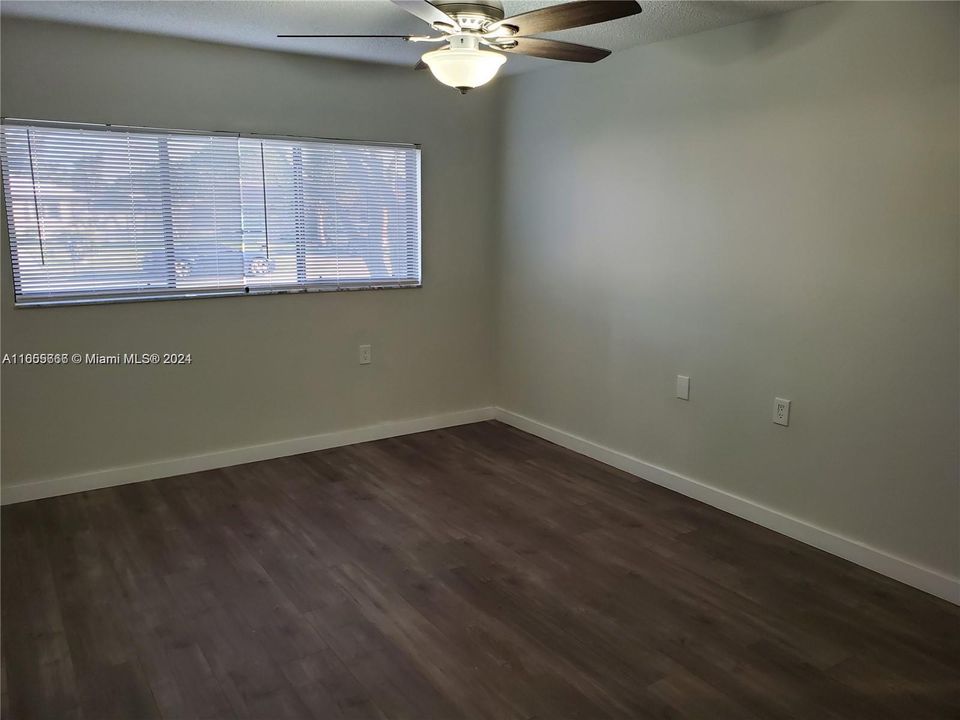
(469, 28)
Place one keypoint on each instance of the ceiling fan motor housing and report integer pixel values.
(472, 15)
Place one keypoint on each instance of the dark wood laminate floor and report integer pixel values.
(470, 572)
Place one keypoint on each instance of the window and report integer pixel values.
(101, 213)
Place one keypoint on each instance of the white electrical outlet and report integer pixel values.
(364, 355)
(683, 387)
(781, 411)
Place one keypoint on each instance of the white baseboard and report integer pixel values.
(236, 456)
(918, 576)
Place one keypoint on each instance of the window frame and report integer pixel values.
(154, 295)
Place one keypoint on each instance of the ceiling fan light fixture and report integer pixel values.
(463, 65)
(469, 24)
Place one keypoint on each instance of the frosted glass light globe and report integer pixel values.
(464, 68)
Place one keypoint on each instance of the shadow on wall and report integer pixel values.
(765, 37)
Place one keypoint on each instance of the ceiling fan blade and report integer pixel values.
(427, 12)
(555, 50)
(570, 15)
(403, 37)
(421, 65)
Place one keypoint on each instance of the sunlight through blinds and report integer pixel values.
(98, 213)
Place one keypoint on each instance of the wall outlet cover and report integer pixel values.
(364, 355)
(781, 411)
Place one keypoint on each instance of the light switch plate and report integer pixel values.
(683, 387)
(781, 411)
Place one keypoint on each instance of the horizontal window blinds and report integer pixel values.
(97, 214)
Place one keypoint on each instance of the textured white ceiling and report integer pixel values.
(255, 23)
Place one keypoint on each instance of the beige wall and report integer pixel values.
(772, 209)
(265, 368)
